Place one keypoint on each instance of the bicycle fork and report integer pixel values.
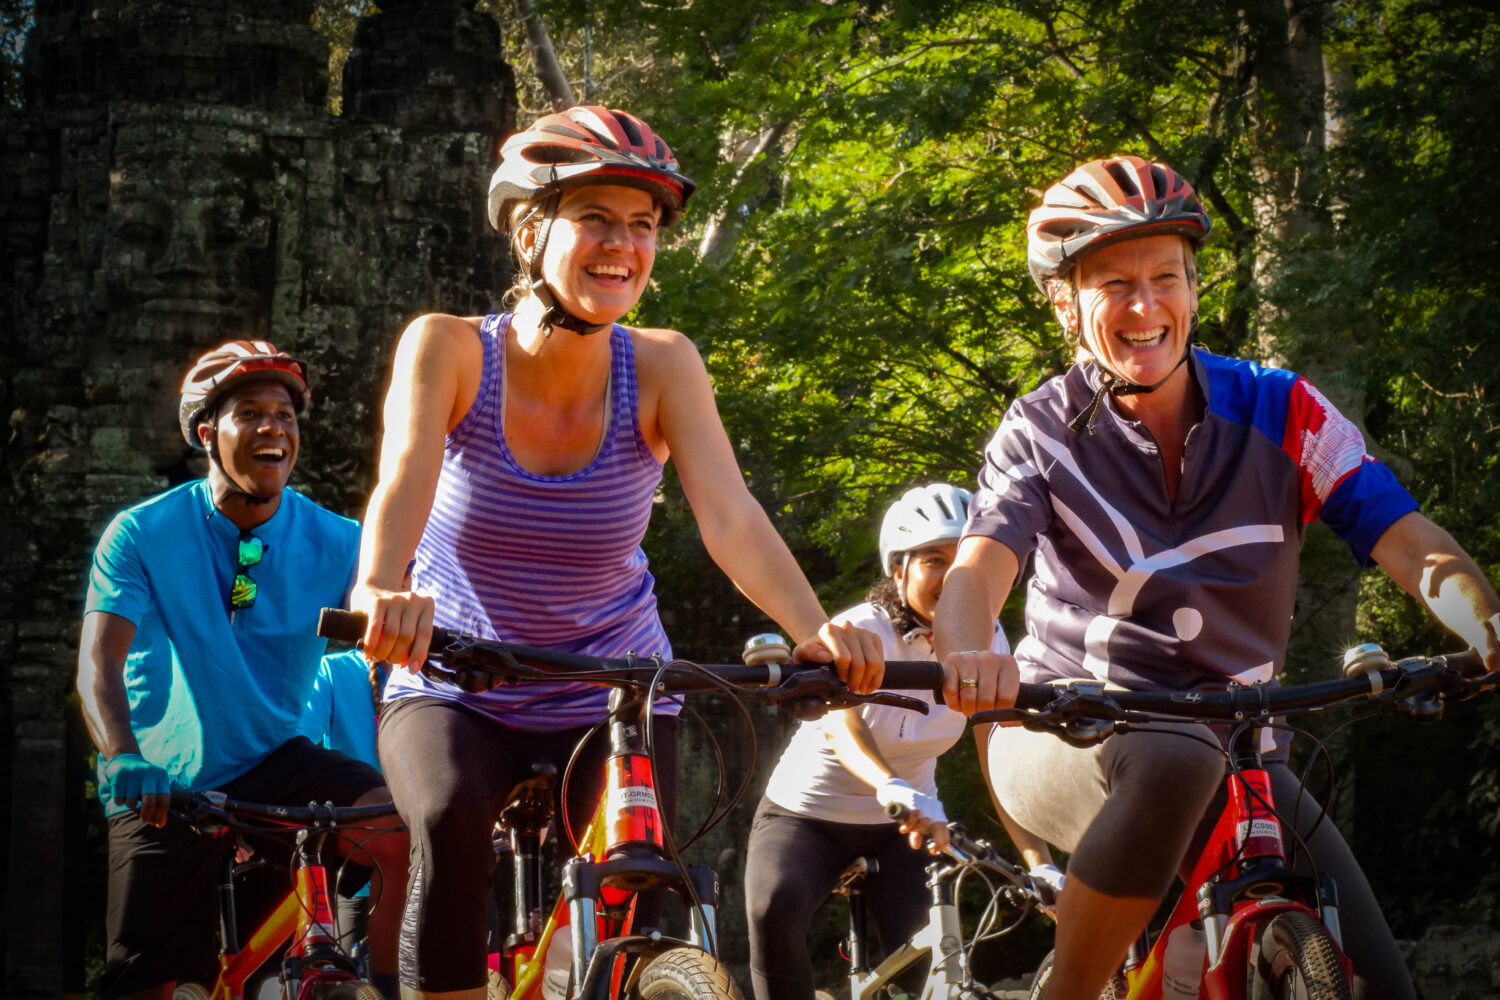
(623, 855)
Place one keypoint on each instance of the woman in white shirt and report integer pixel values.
(825, 803)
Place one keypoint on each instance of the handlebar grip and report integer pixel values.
(912, 675)
(896, 811)
(1469, 663)
(336, 623)
(1035, 696)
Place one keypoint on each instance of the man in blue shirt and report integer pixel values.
(197, 654)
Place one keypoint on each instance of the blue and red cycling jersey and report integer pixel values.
(1147, 592)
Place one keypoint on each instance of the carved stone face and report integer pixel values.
(188, 251)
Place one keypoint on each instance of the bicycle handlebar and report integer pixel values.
(477, 665)
(1051, 707)
(218, 809)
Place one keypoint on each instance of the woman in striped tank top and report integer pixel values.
(520, 458)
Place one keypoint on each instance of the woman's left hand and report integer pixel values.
(856, 654)
(920, 830)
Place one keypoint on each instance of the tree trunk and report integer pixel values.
(544, 58)
(1288, 103)
(718, 232)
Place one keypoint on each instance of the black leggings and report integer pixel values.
(449, 769)
(792, 865)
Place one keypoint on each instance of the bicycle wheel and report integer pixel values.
(1116, 989)
(353, 989)
(1297, 960)
(189, 991)
(686, 974)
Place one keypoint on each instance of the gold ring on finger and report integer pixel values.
(969, 682)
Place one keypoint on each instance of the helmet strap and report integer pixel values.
(1114, 385)
(250, 499)
(553, 314)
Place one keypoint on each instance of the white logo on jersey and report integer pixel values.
(1131, 578)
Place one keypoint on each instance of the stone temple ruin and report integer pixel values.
(174, 180)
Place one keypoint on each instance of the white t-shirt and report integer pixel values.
(809, 779)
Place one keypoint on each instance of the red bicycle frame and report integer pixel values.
(1238, 883)
(313, 959)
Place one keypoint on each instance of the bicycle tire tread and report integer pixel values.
(1115, 989)
(1296, 950)
(687, 972)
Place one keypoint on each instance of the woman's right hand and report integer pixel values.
(978, 680)
(399, 626)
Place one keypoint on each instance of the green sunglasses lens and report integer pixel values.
(251, 549)
(242, 595)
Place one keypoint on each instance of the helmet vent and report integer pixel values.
(1124, 178)
(1159, 181)
(556, 154)
(631, 132)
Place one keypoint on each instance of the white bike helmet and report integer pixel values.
(923, 516)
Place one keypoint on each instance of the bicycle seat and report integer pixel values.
(852, 879)
(529, 804)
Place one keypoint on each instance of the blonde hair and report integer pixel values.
(524, 216)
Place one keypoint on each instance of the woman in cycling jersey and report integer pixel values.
(520, 460)
(1163, 493)
(825, 803)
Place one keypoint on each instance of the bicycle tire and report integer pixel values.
(686, 974)
(1297, 960)
(1115, 989)
(353, 989)
(496, 987)
(190, 991)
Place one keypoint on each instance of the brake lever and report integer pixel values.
(810, 694)
(477, 674)
(893, 700)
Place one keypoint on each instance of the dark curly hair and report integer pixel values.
(885, 594)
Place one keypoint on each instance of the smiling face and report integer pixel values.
(919, 577)
(257, 437)
(600, 250)
(1135, 303)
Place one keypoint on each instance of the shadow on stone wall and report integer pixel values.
(175, 181)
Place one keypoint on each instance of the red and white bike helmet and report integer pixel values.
(924, 515)
(232, 364)
(1104, 202)
(582, 145)
(586, 145)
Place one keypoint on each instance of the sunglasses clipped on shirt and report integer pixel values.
(243, 593)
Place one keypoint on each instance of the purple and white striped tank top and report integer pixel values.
(550, 561)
